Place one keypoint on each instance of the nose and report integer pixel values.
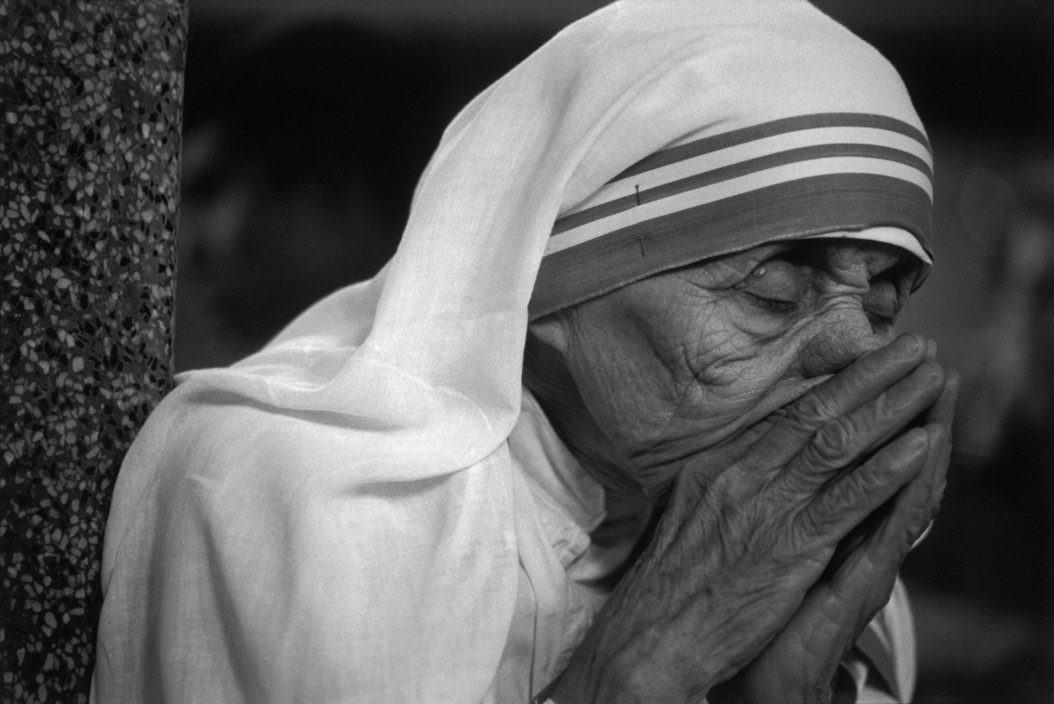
(843, 335)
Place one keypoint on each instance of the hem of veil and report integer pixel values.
(793, 210)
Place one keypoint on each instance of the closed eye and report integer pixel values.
(779, 284)
(772, 304)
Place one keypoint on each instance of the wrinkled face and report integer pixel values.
(684, 360)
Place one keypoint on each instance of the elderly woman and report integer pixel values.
(624, 419)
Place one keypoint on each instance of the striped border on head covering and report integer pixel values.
(788, 178)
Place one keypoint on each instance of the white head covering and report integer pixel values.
(266, 493)
(430, 350)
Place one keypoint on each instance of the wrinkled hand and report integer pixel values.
(734, 571)
(800, 664)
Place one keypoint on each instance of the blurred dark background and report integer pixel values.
(307, 124)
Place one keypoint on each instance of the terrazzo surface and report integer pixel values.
(90, 122)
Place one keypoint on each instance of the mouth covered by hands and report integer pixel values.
(777, 547)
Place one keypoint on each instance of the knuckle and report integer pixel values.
(812, 523)
(832, 442)
(894, 404)
(811, 410)
(847, 493)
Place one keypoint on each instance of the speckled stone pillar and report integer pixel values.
(90, 111)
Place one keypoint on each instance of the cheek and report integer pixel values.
(736, 376)
(733, 369)
(739, 353)
(751, 365)
(623, 383)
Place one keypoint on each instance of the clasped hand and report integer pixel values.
(776, 549)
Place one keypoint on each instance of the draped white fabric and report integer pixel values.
(339, 518)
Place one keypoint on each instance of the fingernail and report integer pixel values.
(935, 371)
(908, 346)
(935, 434)
(931, 350)
(954, 379)
(918, 439)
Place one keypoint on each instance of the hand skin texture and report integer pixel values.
(798, 448)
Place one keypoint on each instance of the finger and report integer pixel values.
(859, 383)
(862, 573)
(886, 536)
(938, 419)
(835, 613)
(861, 576)
(938, 462)
(843, 442)
(936, 473)
(931, 350)
(943, 411)
(939, 426)
(851, 497)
